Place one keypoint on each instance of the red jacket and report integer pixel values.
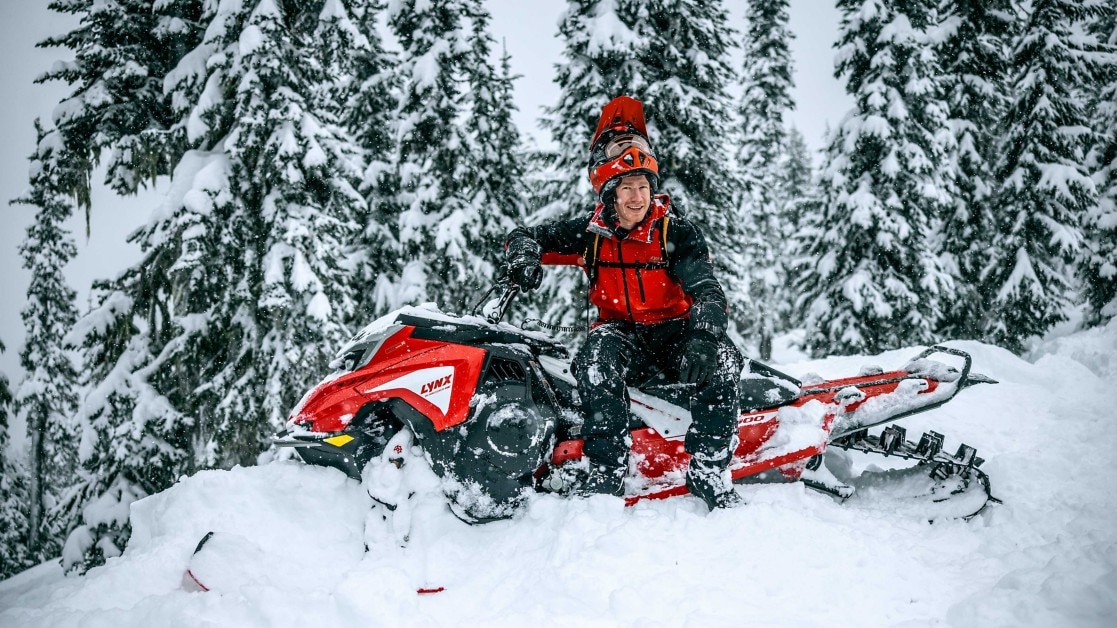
(646, 277)
(630, 280)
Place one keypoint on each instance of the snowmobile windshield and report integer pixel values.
(621, 143)
(359, 351)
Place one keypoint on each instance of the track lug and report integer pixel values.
(930, 444)
(891, 438)
(966, 455)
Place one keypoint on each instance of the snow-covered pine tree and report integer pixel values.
(305, 209)
(598, 63)
(673, 56)
(196, 354)
(869, 280)
(47, 396)
(973, 46)
(14, 497)
(687, 68)
(794, 193)
(134, 441)
(369, 108)
(436, 224)
(1098, 259)
(149, 346)
(1044, 190)
(122, 51)
(765, 101)
(494, 160)
(288, 204)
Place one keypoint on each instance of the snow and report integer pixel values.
(289, 543)
(609, 32)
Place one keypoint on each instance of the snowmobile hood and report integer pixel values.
(431, 323)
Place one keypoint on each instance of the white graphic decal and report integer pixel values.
(434, 384)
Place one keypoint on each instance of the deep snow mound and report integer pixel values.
(293, 540)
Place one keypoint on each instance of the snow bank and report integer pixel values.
(1046, 557)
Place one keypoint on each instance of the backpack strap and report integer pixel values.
(663, 236)
(590, 256)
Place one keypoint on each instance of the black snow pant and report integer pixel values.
(620, 354)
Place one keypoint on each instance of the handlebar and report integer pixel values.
(509, 292)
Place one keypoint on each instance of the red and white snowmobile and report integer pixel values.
(494, 409)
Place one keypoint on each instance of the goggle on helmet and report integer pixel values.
(623, 153)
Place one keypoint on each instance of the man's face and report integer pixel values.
(634, 199)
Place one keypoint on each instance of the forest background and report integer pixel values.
(335, 159)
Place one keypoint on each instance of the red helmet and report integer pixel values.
(620, 146)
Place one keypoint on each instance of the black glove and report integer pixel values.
(525, 272)
(700, 359)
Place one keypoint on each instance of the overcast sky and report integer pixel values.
(528, 27)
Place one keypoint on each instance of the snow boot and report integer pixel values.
(602, 480)
(710, 480)
(606, 465)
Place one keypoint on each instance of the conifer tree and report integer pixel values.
(687, 68)
(494, 159)
(794, 193)
(288, 208)
(489, 185)
(14, 497)
(433, 223)
(765, 101)
(1098, 259)
(672, 55)
(122, 50)
(196, 354)
(143, 348)
(306, 212)
(593, 70)
(369, 107)
(870, 280)
(973, 46)
(47, 396)
(1044, 190)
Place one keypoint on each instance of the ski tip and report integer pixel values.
(191, 584)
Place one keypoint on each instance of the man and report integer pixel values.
(661, 311)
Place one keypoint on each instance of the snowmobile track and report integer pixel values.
(893, 442)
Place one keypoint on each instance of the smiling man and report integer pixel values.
(662, 314)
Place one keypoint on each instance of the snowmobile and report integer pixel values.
(494, 409)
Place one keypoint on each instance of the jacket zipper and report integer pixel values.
(640, 283)
(624, 283)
